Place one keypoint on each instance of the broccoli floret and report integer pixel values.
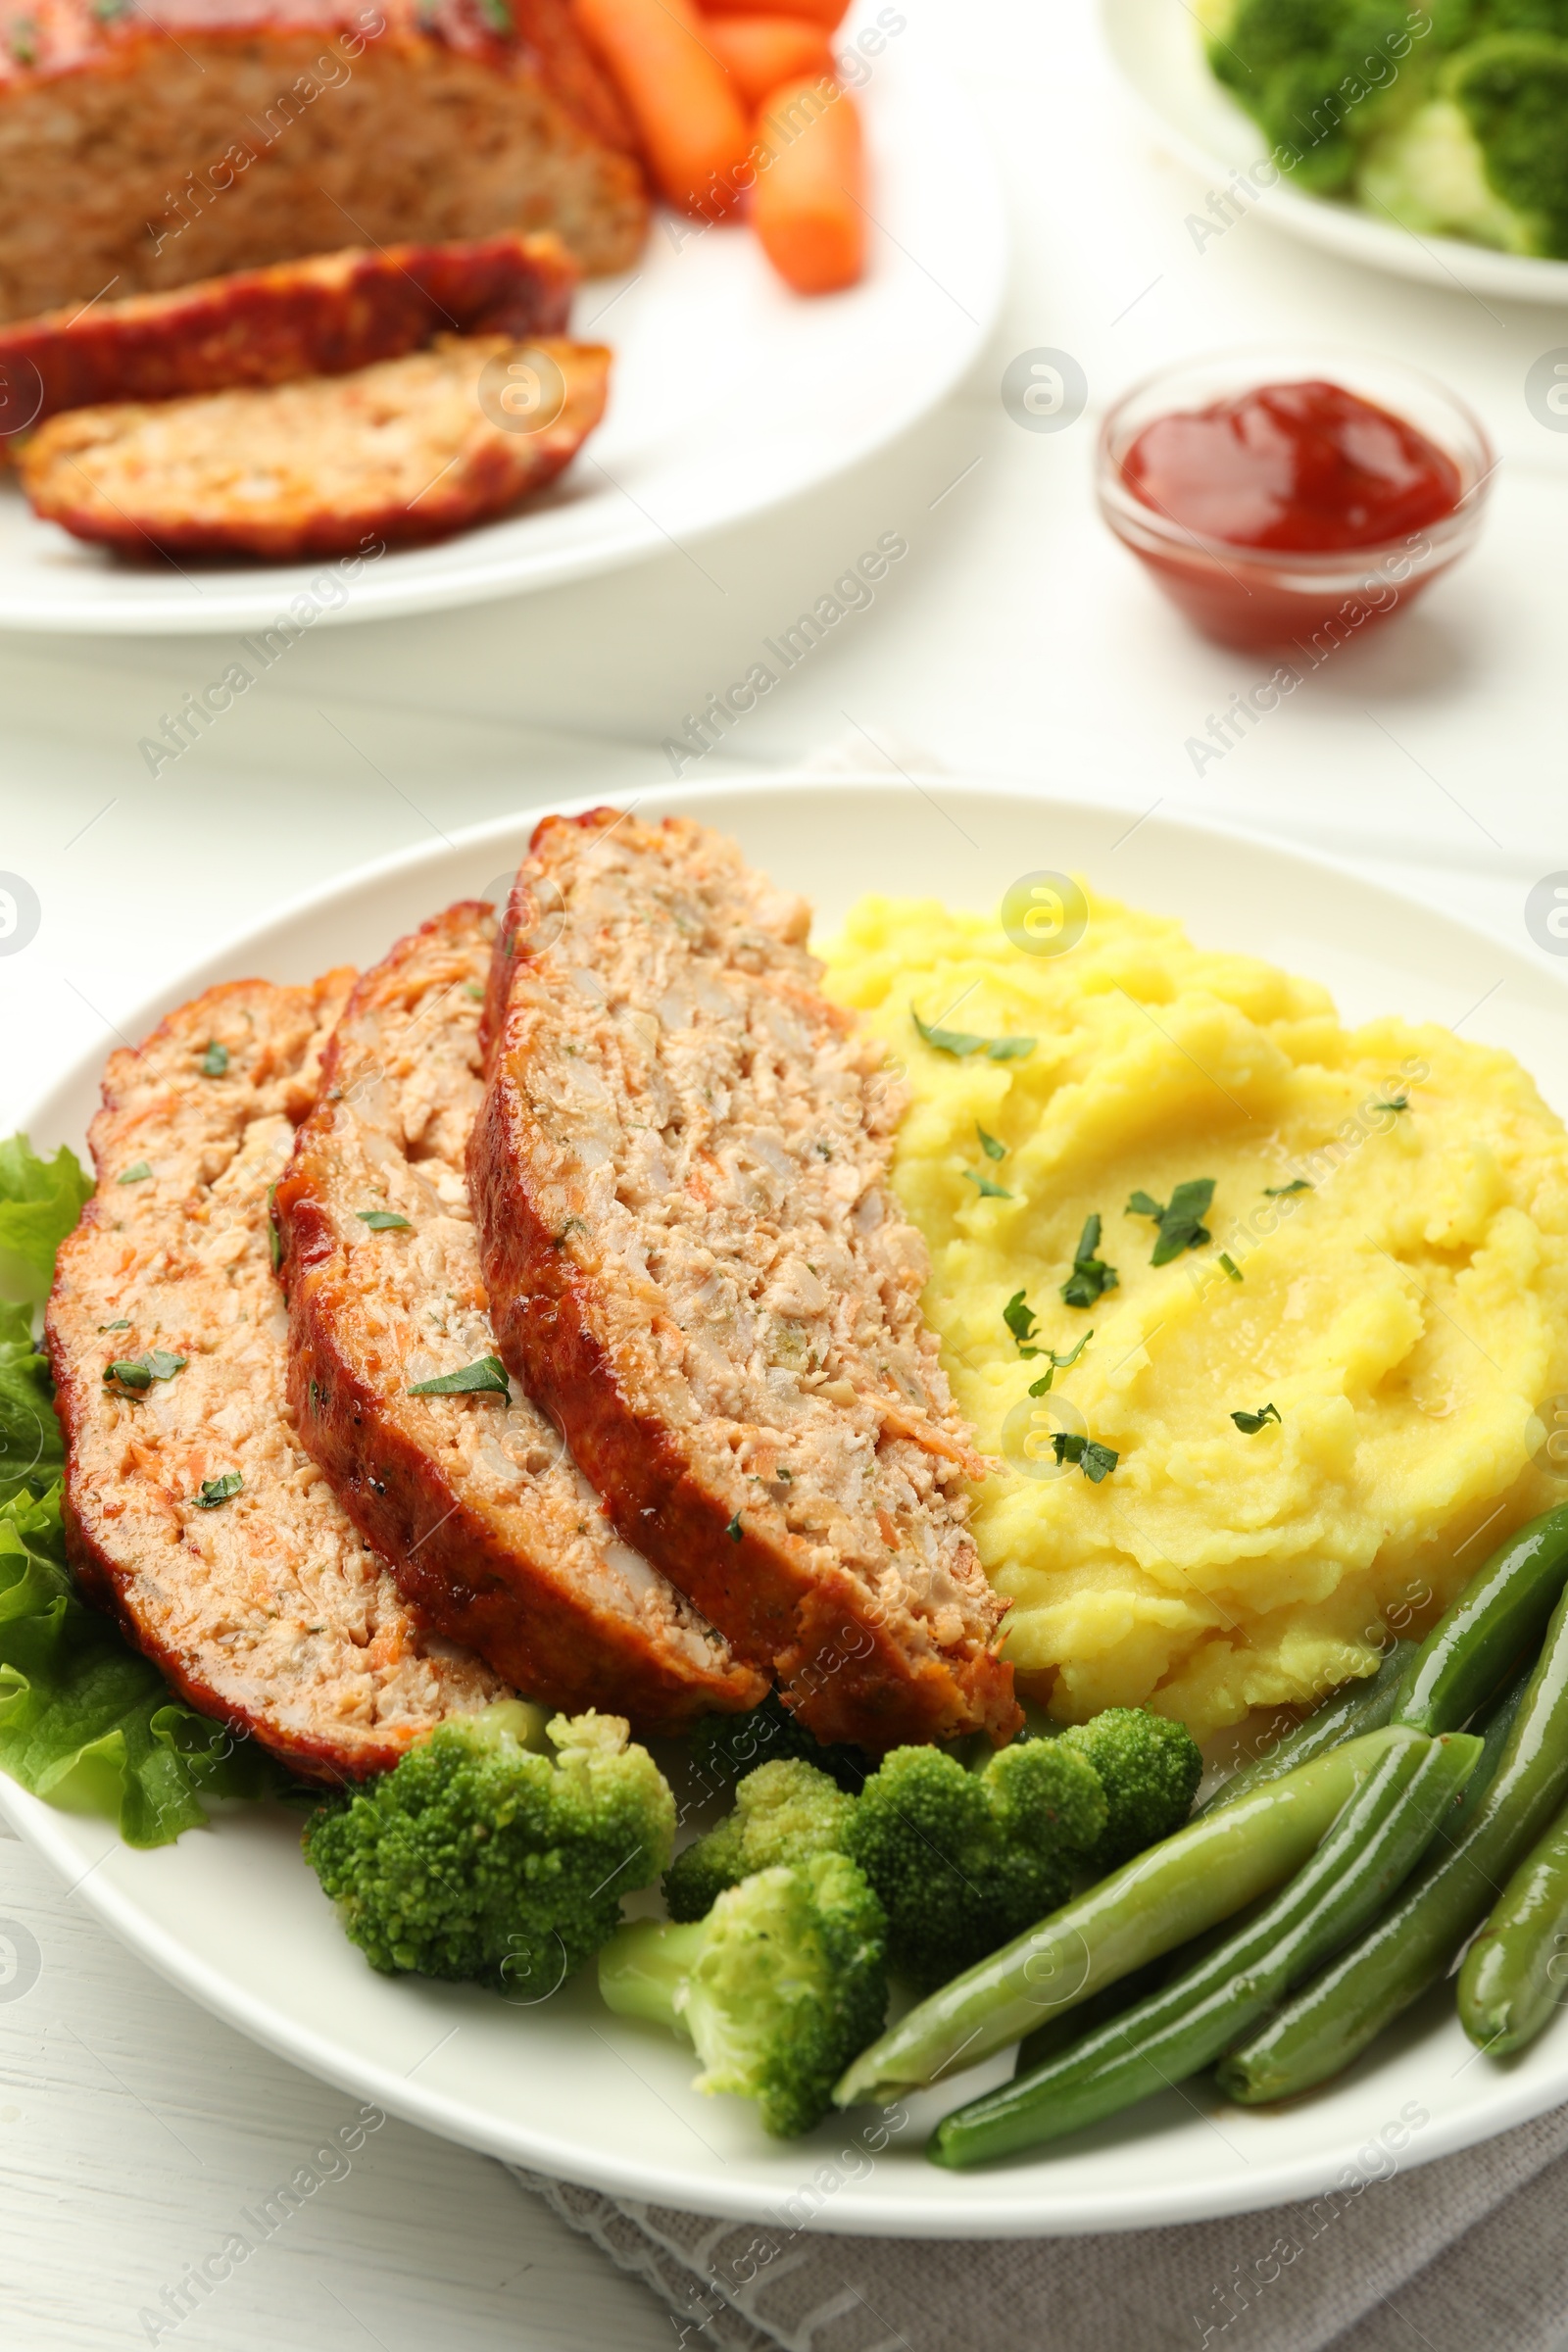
(963, 1861)
(1148, 1768)
(724, 1746)
(480, 1856)
(1487, 158)
(784, 1812)
(779, 1987)
(1319, 76)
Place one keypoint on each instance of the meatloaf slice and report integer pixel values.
(192, 1511)
(680, 1183)
(324, 316)
(405, 452)
(144, 147)
(491, 1530)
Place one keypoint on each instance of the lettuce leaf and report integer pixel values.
(40, 1201)
(32, 1455)
(85, 1720)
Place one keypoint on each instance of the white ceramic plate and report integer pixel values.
(729, 395)
(1159, 49)
(234, 1917)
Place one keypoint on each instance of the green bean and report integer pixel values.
(1520, 1781)
(1508, 1991)
(1376, 1839)
(1170, 1892)
(1066, 2026)
(1503, 1611)
(1363, 1706)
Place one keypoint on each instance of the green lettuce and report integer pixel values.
(85, 1720)
(40, 1201)
(32, 1455)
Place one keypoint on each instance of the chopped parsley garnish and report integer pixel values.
(472, 990)
(785, 1473)
(1283, 1192)
(122, 1325)
(140, 1371)
(987, 1190)
(215, 1062)
(218, 1489)
(1180, 1221)
(486, 1377)
(1091, 1277)
(1093, 1460)
(383, 1220)
(136, 1173)
(1230, 1265)
(1399, 1103)
(497, 15)
(962, 1042)
(23, 38)
(989, 1144)
(1251, 1423)
(1020, 1318)
(274, 1239)
(733, 1531)
(1057, 1363)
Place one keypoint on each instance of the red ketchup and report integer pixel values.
(1293, 470)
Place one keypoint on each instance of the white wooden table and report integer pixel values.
(1015, 639)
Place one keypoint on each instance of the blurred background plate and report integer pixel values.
(1159, 50)
(729, 394)
(233, 1917)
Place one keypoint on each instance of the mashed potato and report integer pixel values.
(1404, 1307)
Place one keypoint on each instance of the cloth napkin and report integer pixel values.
(1465, 2254)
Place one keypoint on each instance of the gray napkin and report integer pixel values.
(1467, 2254)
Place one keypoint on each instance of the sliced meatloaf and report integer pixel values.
(693, 1262)
(145, 147)
(324, 316)
(405, 452)
(194, 1512)
(490, 1528)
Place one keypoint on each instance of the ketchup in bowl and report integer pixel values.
(1281, 508)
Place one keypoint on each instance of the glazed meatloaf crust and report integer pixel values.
(146, 147)
(324, 316)
(405, 451)
(681, 1182)
(258, 1599)
(491, 1529)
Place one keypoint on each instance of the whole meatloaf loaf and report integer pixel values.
(144, 147)
(323, 316)
(490, 1528)
(405, 452)
(192, 1511)
(680, 1178)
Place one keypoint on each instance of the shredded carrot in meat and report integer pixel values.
(934, 1440)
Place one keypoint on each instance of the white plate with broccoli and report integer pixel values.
(538, 2069)
(1428, 172)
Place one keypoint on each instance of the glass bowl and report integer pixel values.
(1263, 598)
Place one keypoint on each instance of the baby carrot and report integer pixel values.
(827, 14)
(761, 52)
(693, 129)
(807, 207)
